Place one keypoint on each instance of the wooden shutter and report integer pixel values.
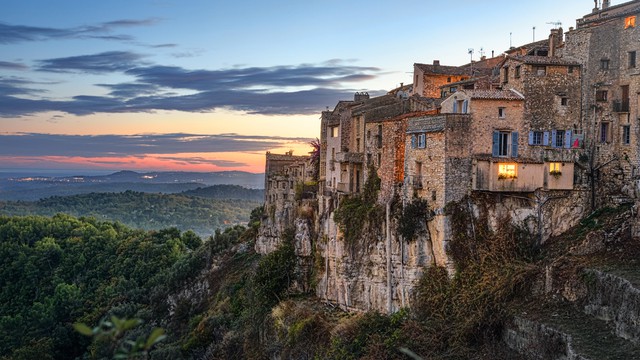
(514, 144)
(495, 150)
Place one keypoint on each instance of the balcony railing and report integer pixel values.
(350, 157)
(621, 106)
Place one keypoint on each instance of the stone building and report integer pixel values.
(605, 44)
(285, 176)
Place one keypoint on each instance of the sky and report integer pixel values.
(211, 85)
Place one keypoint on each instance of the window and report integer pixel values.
(604, 132)
(333, 153)
(507, 171)
(601, 95)
(449, 79)
(504, 144)
(453, 89)
(630, 22)
(502, 112)
(604, 64)
(368, 158)
(422, 141)
(554, 167)
(540, 70)
(379, 159)
(516, 74)
(632, 59)
(506, 75)
(570, 69)
(379, 136)
(564, 101)
(535, 137)
(368, 134)
(358, 145)
(334, 131)
(626, 134)
(558, 140)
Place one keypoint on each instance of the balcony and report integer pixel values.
(521, 177)
(621, 106)
(415, 182)
(350, 157)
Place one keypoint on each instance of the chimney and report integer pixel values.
(436, 62)
(605, 4)
(492, 51)
(361, 96)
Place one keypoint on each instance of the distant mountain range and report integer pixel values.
(37, 187)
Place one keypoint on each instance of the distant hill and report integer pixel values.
(227, 192)
(143, 210)
(35, 187)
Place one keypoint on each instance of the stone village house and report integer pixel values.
(548, 129)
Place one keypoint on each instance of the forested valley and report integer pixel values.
(203, 210)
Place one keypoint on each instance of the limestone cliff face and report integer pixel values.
(380, 270)
(379, 274)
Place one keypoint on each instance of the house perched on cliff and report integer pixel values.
(546, 132)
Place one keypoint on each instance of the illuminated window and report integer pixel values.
(630, 22)
(555, 169)
(334, 131)
(507, 171)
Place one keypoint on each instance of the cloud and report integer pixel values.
(287, 90)
(239, 78)
(11, 34)
(12, 66)
(96, 146)
(203, 161)
(110, 61)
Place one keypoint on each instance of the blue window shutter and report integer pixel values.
(495, 150)
(530, 137)
(465, 106)
(514, 144)
(567, 139)
(553, 138)
(413, 141)
(455, 106)
(546, 139)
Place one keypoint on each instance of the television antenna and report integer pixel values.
(556, 24)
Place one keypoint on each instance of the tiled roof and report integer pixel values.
(543, 60)
(284, 157)
(494, 94)
(442, 69)
(426, 124)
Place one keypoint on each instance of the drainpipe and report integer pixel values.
(388, 250)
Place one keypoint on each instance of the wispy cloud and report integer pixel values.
(12, 65)
(110, 61)
(10, 34)
(96, 146)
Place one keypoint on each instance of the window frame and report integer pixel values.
(602, 95)
(502, 112)
(631, 59)
(626, 135)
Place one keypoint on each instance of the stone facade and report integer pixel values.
(542, 134)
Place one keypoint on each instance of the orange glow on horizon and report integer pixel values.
(197, 162)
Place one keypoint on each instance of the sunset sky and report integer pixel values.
(212, 85)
